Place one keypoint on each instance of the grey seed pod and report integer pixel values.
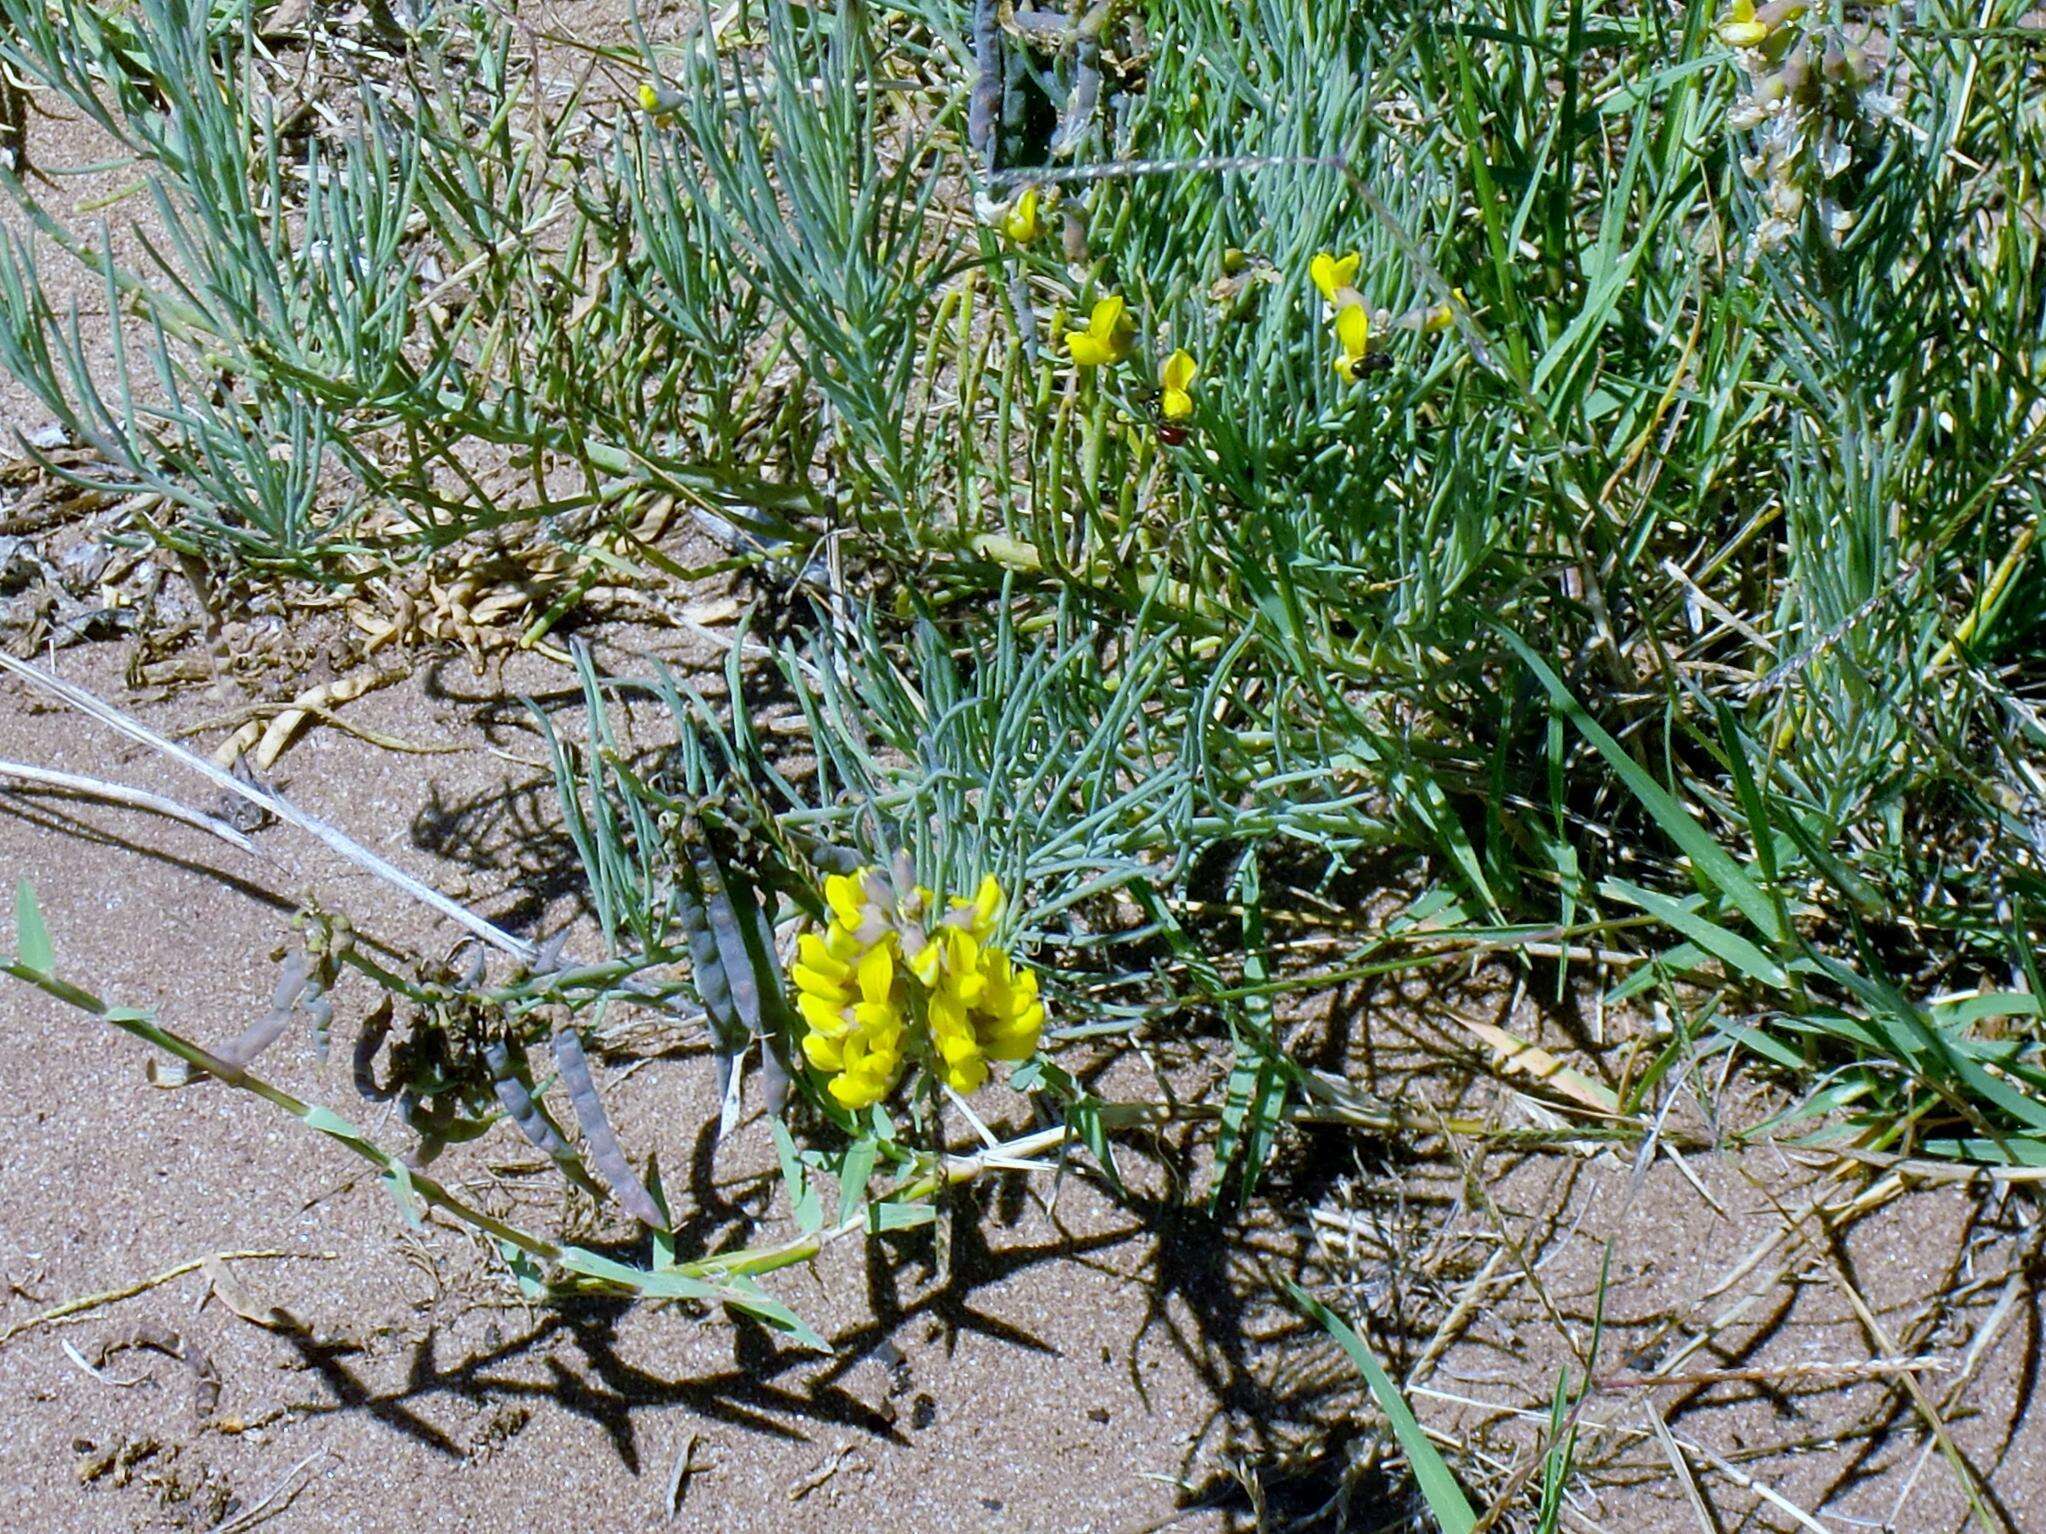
(605, 1150)
(375, 1029)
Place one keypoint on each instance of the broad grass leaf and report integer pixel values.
(1452, 1510)
(1730, 948)
(1711, 861)
(31, 938)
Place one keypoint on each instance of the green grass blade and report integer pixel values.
(1444, 1497)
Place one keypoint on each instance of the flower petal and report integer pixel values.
(1331, 275)
(847, 899)
(1088, 352)
(1353, 330)
(823, 1016)
(876, 975)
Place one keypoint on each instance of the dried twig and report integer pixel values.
(86, 1302)
(88, 703)
(132, 798)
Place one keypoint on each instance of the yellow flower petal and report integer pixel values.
(1353, 335)
(1739, 28)
(1443, 316)
(824, 987)
(814, 952)
(1332, 275)
(1176, 378)
(825, 1054)
(824, 1016)
(1353, 329)
(847, 897)
(874, 1018)
(1086, 351)
(965, 1076)
(876, 975)
(1021, 223)
(856, 1092)
(987, 902)
(1107, 338)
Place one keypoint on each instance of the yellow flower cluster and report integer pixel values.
(1357, 331)
(879, 985)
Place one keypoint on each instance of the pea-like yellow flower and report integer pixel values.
(851, 993)
(1021, 223)
(1333, 276)
(1738, 27)
(1176, 379)
(1442, 316)
(882, 981)
(1353, 339)
(1109, 335)
(1747, 26)
(658, 101)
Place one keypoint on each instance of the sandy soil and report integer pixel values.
(1093, 1366)
(1033, 1394)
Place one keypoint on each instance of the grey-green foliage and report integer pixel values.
(814, 175)
(392, 292)
(1031, 760)
(1685, 574)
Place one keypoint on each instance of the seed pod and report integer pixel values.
(605, 1150)
(321, 1011)
(509, 1078)
(1085, 98)
(742, 981)
(774, 1076)
(836, 860)
(267, 1029)
(375, 1029)
(705, 962)
(984, 106)
(414, 1114)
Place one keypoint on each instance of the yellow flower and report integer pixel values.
(850, 994)
(658, 101)
(1353, 336)
(1176, 378)
(1440, 317)
(1021, 222)
(1108, 337)
(858, 982)
(1334, 276)
(1745, 26)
